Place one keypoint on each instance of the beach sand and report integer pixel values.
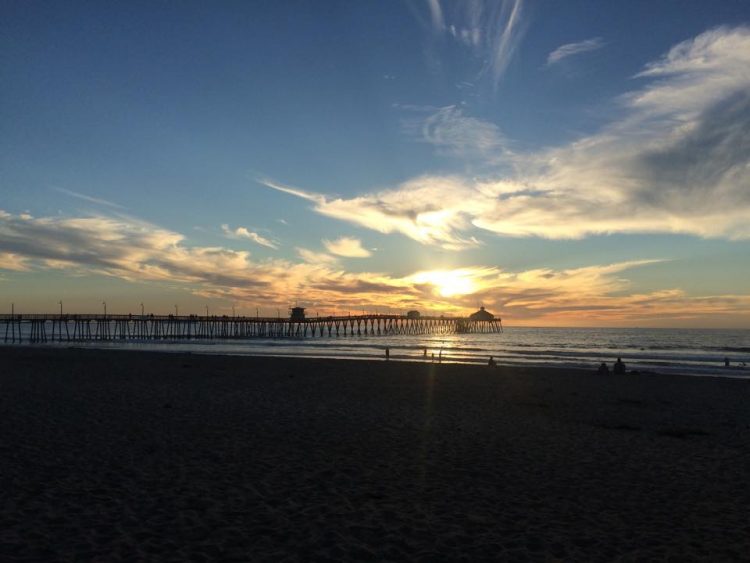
(125, 456)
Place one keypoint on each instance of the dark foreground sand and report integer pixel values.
(108, 456)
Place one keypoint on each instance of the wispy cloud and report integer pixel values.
(243, 232)
(348, 247)
(492, 29)
(428, 210)
(571, 49)
(311, 196)
(676, 161)
(137, 251)
(453, 132)
(315, 258)
(88, 198)
(436, 14)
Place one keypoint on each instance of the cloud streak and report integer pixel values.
(430, 210)
(572, 49)
(244, 233)
(492, 30)
(88, 198)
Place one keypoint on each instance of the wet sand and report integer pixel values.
(125, 456)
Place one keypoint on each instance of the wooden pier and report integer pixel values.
(80, 328)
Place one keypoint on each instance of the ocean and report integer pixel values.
(685, 351)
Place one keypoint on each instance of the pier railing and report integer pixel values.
(76, 328)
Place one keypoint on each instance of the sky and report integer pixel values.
(577, 163)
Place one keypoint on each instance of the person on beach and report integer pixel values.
(433, 357)
(425, 352)
(726, 362)
(492, 363)
(603, 369)
(387, 353)
(619, 367)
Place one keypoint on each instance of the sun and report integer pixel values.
(448, 282)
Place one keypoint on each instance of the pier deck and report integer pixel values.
(86, 327)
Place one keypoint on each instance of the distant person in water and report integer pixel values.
(492, 363)
(603, 369)
(425, 352)
(387, 353)
(726, 362)
(619, 367)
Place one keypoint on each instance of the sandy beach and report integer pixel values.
(126, 456)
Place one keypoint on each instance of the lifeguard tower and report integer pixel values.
(297, 314)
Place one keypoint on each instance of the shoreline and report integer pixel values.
(122, 455)
(735, 372)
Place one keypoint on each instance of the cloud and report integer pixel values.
(313, 257)
(571, 49)
(436, 14)
(138, 251)
(492, 30)
(242, 232)
(429, 210)
(677, 160)
(88, 198)
(454, 133)
(13, 262)
(310, 196)
(348, 247)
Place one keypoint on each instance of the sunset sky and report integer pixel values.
(562, 163)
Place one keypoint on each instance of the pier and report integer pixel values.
(39, 328)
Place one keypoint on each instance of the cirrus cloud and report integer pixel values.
(492, 30)
(243, 232)
(571, 49)
(676, 161)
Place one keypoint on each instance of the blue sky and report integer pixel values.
(563, 163)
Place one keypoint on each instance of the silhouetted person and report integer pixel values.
(726, 362)
(425, 352)
(433, 357)
(619, 367)
(440, 356)
(603, 369)
(492, 363)
(387, 353)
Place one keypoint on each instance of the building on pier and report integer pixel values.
(482, 315)
(297, 314)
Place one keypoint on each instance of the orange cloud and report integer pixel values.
(137, 251)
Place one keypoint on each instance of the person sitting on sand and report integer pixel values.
(603, 369)
(619, 367)
(492, 363)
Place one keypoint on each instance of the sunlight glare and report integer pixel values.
(448, 282)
